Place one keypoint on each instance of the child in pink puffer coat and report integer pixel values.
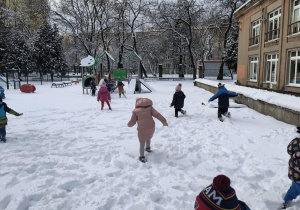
(143, 115)
(104, 96)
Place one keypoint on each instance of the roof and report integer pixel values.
(241, 7)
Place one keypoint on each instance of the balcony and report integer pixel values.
(294, 28)
(254, 40)
(272, 35)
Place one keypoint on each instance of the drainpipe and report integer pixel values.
(279, 86)
(259, 80)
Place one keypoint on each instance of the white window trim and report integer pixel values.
(250, 70)
(294, 8)
(276, 66)
(278, 17)
(296, 58)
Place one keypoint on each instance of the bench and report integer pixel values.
(58, 84)
(36, 79)
(67, 82)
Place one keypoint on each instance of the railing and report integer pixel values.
(294, 28)
(271, 35)
(254, 40)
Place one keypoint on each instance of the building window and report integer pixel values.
(294, 27)
(271, 68)
(255, 29)
(253, 68)
(294, 69)
(273, 25)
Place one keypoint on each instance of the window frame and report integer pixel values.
(252, 73)
(295, 8)
(270, 59)
(296, 59)
(273, 33)
(255, 32)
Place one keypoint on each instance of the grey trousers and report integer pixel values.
(142, 146)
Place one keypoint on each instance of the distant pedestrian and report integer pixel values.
(104, 96)
(120, 86)
(93, 87)
(178, 100)
(3, 119)
(223, 97)
(143, 115)
(293, 149)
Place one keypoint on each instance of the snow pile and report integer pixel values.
(65, 153)
(283, 100)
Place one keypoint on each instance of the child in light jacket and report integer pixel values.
(143, 115)
(104, 96)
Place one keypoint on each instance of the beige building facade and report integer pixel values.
(269, 45)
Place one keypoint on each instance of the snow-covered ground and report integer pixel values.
(65, 153)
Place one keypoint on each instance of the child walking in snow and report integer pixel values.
(120, 86)
(104, 96)
(224, 196)
(293, 150)
(178, 100)
(143, 115)
(3, 119)
(93, 87)
(223, 97)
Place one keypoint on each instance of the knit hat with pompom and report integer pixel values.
(221, 183)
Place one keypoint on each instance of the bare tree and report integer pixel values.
(224, 20)
(181, 18)
(88, 21)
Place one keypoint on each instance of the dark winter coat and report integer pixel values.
(223, 97)
(3, 109)
(294, 163)
(178, 100)
(210, 198)
(93, 85)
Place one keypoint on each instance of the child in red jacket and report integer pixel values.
(104, 96)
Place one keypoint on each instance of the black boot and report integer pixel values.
(142, 159)
(110, 109)
(148, 149)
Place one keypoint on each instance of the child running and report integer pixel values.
(104, 96)
(293, 150)
(143, 115)
(3, 119)
(178, 100)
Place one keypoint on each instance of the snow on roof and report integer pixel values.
(278, 99)
(241, 7)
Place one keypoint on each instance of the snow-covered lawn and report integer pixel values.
(65, 153)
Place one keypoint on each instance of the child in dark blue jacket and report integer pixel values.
(223, 103)
(178, 100)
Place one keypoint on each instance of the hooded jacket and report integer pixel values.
(143, 115)
(223, 97)
(178, 100)
(103, 93)
(293, 150)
